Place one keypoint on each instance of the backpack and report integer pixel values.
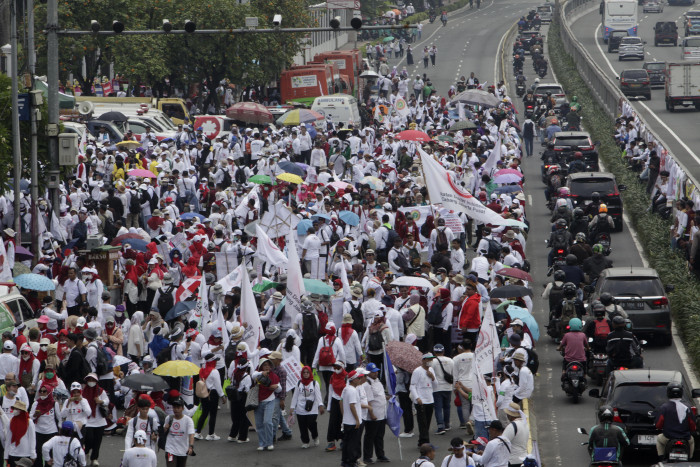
(568, 311)
(375, 341)
(72, 459)
(103, 363)
(239, 176)
(559, 240)
(201, 390)
(358, 320)
(165, 355)
(325, 354)
(413, 253)
(134, 204)
(390, 239)
(226, 181)
(602, 329)
(495, 247)
(435, 315)
(402, 262)
(310, 324)
(533, 361)
(335, 238)
(165, 301)
(154, 202)
(441, 242)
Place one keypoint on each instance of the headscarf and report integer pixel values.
(346, 332)
(131, 274)
(208, 368)
(338, 382)
(120, 319)
(444, 297)
(25, 366)
(307, 380)
(19, 425)
(51, 383)
(45, 405)
(90, 394)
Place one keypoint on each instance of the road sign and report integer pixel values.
(343, 4)
(24, 104)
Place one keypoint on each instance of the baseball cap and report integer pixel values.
(140, 437)
(428, 355)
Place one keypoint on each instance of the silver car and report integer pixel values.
(653, 6)
(631, 47)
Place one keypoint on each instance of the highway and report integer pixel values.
(678, 129)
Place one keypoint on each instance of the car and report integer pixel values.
(583, 184)
(567, 142)
(635, 83)
(614, 40)
(635, 396)
(546, 12)
(631, 47)
(530, 38)
(640, 292)
(692, 25)
(665, 32)
(657, 73)
(557, 91)
(653, 6)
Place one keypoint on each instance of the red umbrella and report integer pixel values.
(250, 112)
(118, 240)
(516, 273)
(404, 355)
(508, 172)
(413, 135)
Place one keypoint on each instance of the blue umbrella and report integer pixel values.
(518, 312)
(192, 215)
(303, 226)
(136, 243)
(315, 217)
(507, 189)
(291, 167)
(35, 282)
(311, 130)
(180, 308)
(349, 218)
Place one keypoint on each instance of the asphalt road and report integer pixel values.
(678, 129)
(556, 415)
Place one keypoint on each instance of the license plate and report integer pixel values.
(646, 439)
(634, 85)
(632, 305)
(678, 456)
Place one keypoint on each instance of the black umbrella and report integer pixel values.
(180, 308)
(145, 382)
(509, 291)
(463, 125)
(113, 117)
(291, 168)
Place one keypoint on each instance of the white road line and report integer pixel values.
(498, 52)
(651, 112)
(529, 200)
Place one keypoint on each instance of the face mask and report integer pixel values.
(25, 357)
(43, 397)
(11, 392)
(119, 314)
(49, 375)
(92, 384)
(337, 370)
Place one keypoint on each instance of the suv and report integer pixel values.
(583, 184)
(614, 39)
(641, 294)
(657, 73)
(635, 395)
(546, 12)
(635, 83)
(631, 47)
(567, 142)
(692, 23)
(665, 32)
(557, 91)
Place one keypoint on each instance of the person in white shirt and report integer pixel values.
(376, 425)
(73, 289)
(311, 251)
(352, 417)
(56, 448)
(8, 362)
(457, 257)
(321, 360)
(517, 432)
(97, 399)
(76, 409)
(146, 421)
(444, 374)
(423, 384)
(526, 382)
(140, 455)
(15, 392)
(212, 379)
(44, 413)
(497, 451)
(180, 438)
(395, 322)
(307, 404)
(458, 458)
(20, 440)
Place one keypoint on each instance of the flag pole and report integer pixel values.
(388, 383)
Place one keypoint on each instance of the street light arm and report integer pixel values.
(73, 32)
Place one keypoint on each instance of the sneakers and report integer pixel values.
(285, 437)
(241, 441)
(462, 425)
(361, 463)
(406, 435)
(213, 437)
(383, 459)
(198, 436)
(440, 431)
(331, 447)
(231, 439)
(316, 442)
(260, 448)
(470, 427)
(305, 446)
(95, 462)
(270, 448)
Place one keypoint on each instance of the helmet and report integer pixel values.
(571, 260)
(561, 223)
(578, 213)
(575, 324)
(537, 80)
(573, 99)
(561, 205)
(569, 289)
(674, 390)
(605, 414)
(549, 93)
(564, 191)
(598, 248)
(578, 155)
(559, 275)
(595, 196)
(581, 237)
(598, 309)
(618, 321)
(606, 298)
(553, 169)
(603, 208)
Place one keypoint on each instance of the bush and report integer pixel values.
(652, 231)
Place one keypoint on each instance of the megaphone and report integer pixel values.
(86, 108)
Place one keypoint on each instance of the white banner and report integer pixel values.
(249, 314)
(233, 279)
(279, 220)
(295, 280)
(443, 190)
(5, 267)
(293, 369)
(267, 250)
(226, 262)
(480, 393)
(179, 242)
(487, 345)
(495, 156)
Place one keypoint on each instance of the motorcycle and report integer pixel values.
(432, 19)
(677, 450)
(597, 363)
(554, 327)
(542, 72)
(610, 455)
(604, 239)
(574, 380)
(520, 90)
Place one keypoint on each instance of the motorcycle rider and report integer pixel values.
(676, 420)
(569, 307)
(554, 291)
(591, 209)
(517, 62)
(560, 239)
(594, 266)
(443, 18)
(598, 328)
(573, 271)
(580, 248)
(606, 435)
(602, 223)
(529, 99)
(562, 211)
(622, 348)
(573, 120)
(574, 345)
(579, 224)
(612, 308)
(577, 164)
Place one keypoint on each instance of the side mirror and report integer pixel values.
(622, 187)
(643, 342)
(582, 431)
(590, 339)
(669, 288)
(594, 393)
(617, 78)
(695, 393)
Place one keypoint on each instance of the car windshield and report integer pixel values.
(633, 286)
(586, 186)
(631, 41)
(649, 394)
(693, 42)
(634, 74)
(572, 141)
(552, 89)
(655, 66)
(545, 9)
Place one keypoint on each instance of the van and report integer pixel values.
(690, 48)
(339, 108)
(14, 309)
(545, 11)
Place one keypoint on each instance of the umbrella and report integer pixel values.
(192, 215)
(296, 117)
(413, 135)
(22, 253)
(119, 360)
(516, 273)
(311, 129)
(447, 138)
(510, 291)
(507, 189)
(339, 185)
(129, 144)
(291, 167)
(181, 308)
(370, 74)
(35, 282)
(509, 172)
(390, 38)
(260, 179)
(373, 182)
(404, 355)
(143, 173)
(250, 112)
(412, 281)
(118, 240)
(477, 97)
(137, 244)
(189, 287)
(145, 382)
(317, 286)
(263, 286)
(177, 368)
(506, 179)
(515, 223)
(113, 117)
(463, 125)
(291, 178)
(303, 226)
(349, 218)
(315, 217)
(517, 312)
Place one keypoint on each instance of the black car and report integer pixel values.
(634, 83)
(583, 184)
(614, 39)
(657, 73)
(665, 32)
(568, 142)
(634, 396)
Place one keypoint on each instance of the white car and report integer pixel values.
(653, 6)
(631, 47)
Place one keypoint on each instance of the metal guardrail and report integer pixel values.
(604, 88)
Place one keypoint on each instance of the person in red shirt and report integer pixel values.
(469, 315)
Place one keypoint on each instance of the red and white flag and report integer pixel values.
(188, 288)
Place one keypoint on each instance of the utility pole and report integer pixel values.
(52, 77)
(33, 166)
(16, 149)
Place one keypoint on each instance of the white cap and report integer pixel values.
(141, 437)
(76, 386)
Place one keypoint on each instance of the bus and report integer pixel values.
(620, 15)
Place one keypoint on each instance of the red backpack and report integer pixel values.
(325, 355)
(602, 329)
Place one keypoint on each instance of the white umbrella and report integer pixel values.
(412, 281)
(370, 74)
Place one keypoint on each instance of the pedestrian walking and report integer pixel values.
(376, 424)
(307, 404)
(337, 382)
(433, 54)
(208, 389)
(352, 419)
(423, 383)
(409, 56)
(179, 429)
(237, 393)
(426, 57)
(529, 132)
(268, 384)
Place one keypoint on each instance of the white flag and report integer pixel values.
(233, 279)
(487, 345)
(495, 156)
(249, 314)
(443, 190)
(401, 107)
(481, 394)
(267, 250)
(295, 280)
(40, 224)
(202, 309)
(5, 267)
(56, 229)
